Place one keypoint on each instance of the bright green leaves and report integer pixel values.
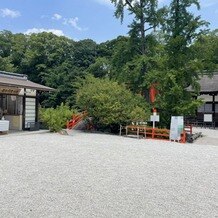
(110, 103)
(56, 118)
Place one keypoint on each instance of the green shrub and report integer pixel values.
(56, 118)
(110, 104)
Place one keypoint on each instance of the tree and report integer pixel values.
(181, 68)
(6, 64)
(85, 53)
(110, 104)
(18, 49)
(56, 118)
(5, 51)
(182, 28)
(205, 49)
(146, 16)
(45, 51)
(6, 43)
(101, 68)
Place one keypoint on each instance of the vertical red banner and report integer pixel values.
(153, 93)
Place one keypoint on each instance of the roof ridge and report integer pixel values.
(13, 75)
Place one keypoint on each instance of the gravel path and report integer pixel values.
(210, 136)
(96, 175)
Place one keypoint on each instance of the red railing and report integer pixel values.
(164, 134)
(155, 133)
(76, 119)
(188, 129)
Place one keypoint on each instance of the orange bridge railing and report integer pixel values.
(76, 119)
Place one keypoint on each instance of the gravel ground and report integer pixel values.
(210, 136)
(97, 175)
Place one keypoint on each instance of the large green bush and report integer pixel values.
(109, 103)
(56, 118)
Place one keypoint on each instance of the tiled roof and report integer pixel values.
(209, 84)
(21, 81)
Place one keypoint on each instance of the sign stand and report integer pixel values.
(176, 127)
(154, 118)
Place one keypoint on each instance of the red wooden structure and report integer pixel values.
(76, 119)
(155, 133)
(153, 92)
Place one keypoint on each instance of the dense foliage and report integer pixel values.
(166, 46)
(47, 59)
(109, 103)
(170, 61)
(181, 66)
(56, 118)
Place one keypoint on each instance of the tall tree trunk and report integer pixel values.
(142, 28)
(176, 19)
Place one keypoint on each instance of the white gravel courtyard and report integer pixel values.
(97, 175)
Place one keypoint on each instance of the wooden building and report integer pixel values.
(209, 93)
(207, 114)
(19, 101)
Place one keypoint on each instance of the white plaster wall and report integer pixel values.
(29, 92)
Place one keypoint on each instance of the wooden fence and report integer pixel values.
(153, 133)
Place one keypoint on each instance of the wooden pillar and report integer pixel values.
(37, 107)
(24, 109)
(213, 108)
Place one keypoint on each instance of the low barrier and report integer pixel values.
(153, 133)
(137, 130)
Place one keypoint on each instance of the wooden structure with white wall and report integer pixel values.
(207, 114)
(19, 100)
(209, 94)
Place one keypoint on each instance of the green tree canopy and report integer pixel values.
(146, 16)
(205, 49)
(109, 103)
(180, 67)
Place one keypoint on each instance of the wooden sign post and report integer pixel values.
(154, 118)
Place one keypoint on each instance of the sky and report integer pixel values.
(77, 19)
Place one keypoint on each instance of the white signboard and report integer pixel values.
(180, 124)
(155, 118)
(4, 125)
(208, 118)
(176, 127)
